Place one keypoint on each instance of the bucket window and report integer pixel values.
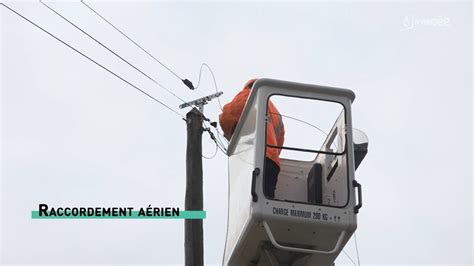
(306, 158)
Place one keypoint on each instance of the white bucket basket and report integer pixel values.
(313, 214)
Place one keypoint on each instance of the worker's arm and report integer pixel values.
(231, 113)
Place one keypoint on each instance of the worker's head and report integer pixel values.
(250, 83)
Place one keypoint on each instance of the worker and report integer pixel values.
(275, 134)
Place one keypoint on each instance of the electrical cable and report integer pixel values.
(222, 149)
(218, 139)
(213, 78)
(219, 134)
(111, 51)
(213, 124)
(304, 122)
(222, 144)
(210, 157)
(228, 212)
(92, 60)
(357, 249)
(307, 123)
(213, 137)
(186, 82)
(347, 255)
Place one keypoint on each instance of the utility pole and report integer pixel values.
(193, 232)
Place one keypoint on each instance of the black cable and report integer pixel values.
(218, 139)
(212, 136)
(111, 51)
(214, 125)
(186, 82)
(90, 59)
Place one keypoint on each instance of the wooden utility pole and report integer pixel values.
(193, 232)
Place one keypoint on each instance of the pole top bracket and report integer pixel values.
(199, 103)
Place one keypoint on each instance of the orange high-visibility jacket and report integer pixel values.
(275, 130)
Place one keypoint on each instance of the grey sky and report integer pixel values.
(72, 134)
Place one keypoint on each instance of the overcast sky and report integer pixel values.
(74, 135)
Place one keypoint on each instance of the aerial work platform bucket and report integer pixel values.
(313, 212)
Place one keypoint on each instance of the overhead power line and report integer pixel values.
(186, 82)
(92, 60)
(111, 51)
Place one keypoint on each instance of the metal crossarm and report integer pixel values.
(201, 101)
